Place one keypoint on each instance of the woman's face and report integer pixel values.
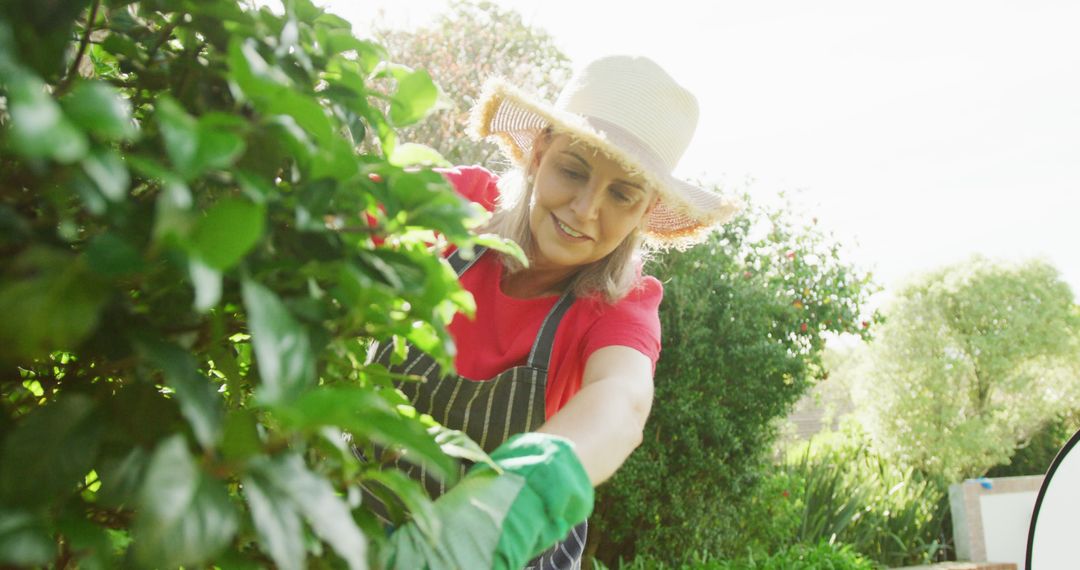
(584, 203)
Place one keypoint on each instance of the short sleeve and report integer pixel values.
(474, 183)
(633, 322)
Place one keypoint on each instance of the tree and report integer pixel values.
(973, 360)
(744, 322)
(474, 41)
(194, 261)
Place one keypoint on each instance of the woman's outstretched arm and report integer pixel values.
(605, 420)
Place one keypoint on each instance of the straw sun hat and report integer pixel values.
(635, 113)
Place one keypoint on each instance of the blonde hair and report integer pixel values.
(612, 277)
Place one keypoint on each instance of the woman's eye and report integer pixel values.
(620, 195)
(574, 174)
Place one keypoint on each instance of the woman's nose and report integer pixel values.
(586, 204)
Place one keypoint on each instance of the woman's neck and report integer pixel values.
(536, 281)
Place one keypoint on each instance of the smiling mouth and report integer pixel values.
(568, 230)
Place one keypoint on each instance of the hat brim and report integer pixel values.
(685, 214)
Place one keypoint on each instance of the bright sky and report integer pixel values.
(919, 132)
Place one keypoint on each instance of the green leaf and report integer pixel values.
(273, 95)
(173, 215)
(44, 32)
(217, 148)
(185, 517)
(292, 137)
(93, 200)
(413, 496)
(306, 111)
(456, 443)
(471, 514)
(315, 498)
(282, 347)
(149, 167)
(99, 108)
(228, 230)
(369, 54)
(326, 21)
(241, 439)
(24, 539)
(50, 451)
(250, 71)
(412, 154)
(107, 170)
(87, 539)
(196, 146)
(200, 402)
(277, 521)
(367, 415)
(38, 127)
(180, 133)
(270, 89)
(256, 188)
(335, 160)
(426, 338)
(502, 245)
(121, 45)
(401, 350)
(207, 281)
(121, 477)
(428, 201)
(110, 255)
(415, 97)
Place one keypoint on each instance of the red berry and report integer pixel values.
(803, 327)
(866, 324)
(375, 177)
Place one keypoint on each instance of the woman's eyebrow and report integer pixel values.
(588, 167)
(583, 162)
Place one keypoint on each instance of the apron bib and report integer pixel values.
(489, 411)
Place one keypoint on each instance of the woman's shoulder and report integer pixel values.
(632, 321)
(643, 300)
(474, 183)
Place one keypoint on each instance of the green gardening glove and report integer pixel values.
(501, 521)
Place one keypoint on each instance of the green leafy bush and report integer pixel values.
(205, 215)
(846, 493)
(823, 556)
(744, 318)
(1034, 456)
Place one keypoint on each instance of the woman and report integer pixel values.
(556, 368)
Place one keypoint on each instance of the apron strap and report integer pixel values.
(540, 355)
(460, 264)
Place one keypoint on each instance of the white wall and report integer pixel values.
(1006, 518)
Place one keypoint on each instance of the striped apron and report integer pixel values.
(489, 412)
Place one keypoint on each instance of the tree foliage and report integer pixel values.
(472, 41)
(745, 318)
(973, 360)
(195, 256)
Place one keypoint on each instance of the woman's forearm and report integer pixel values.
(605, 420)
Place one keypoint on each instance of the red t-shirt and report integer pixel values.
(504, 328)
